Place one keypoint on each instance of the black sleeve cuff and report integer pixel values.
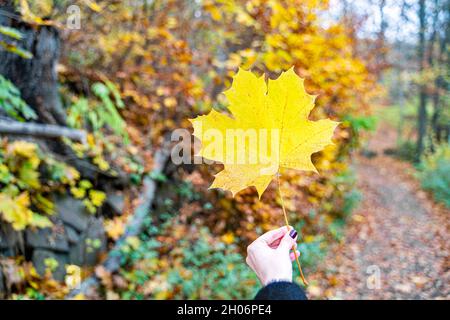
(281, 291)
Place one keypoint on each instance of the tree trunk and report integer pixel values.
(441, 84)
(381, 38)
(433, 61)
(422, 111)
(36, 78)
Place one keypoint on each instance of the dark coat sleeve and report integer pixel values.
(281, 291)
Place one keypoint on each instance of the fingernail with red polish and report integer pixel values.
(293, 233)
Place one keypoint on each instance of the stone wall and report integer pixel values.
(76, 237)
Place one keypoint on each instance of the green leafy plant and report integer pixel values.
(361, 123)
(312, 252)
(216, 271)
(358, 125)
(107, 111)
(406, 150)
(101, 113)
(12, 103)
(201, 267)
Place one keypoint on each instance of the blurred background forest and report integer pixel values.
(91, 207)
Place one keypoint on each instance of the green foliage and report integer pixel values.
(12, 103)
(14, 34)
(216, 271)
(106, 112)
(160, 177)
(434, 173)
(311, 253)
(444, 112)
(361, 123)
(100, 113)
(196, 265)
(32, 293)
(351, 201)
(78, 112)
(358, 125)
(406, 150)
(11, 32)
(51, 264)
(108, 134)
(186, 190)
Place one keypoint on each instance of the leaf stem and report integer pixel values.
(287, 226)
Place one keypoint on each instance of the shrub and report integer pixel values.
(214, 271)
(407, 151)
(189, 263)
(434, 173)
(12, 103)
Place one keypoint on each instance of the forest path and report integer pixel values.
(396, 244)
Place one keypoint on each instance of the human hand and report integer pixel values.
(269, 256)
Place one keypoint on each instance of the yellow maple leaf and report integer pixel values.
(268, 129)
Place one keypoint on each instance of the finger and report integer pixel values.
(292, 255)
(276, 243)
(255, 246)
(288, 241)
(249, 262)
(273, 235)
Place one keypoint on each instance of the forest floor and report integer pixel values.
(396, 244)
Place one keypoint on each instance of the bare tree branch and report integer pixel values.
(41, 130)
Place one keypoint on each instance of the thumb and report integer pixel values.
(288, 241)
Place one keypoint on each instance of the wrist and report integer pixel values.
(272, 280)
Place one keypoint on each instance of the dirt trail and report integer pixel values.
(396, 245)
